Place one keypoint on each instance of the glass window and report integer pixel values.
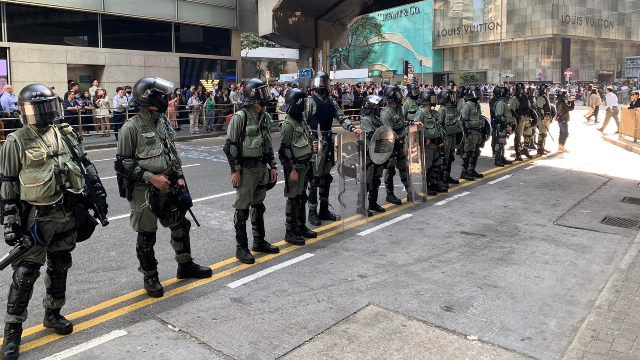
(40, 25)
(194, 71)
(205, 40)
(3, 67)
(135, 34)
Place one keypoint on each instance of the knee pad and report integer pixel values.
(241, 216)
(146, 241)
(260, 208)
(20, 290)
(60, 263)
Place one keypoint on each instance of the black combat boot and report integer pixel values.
(476, 175)
(391, 198)
(465, 168)
(314, 219)
(532, 145)
(152, 286)
(191, 270)
(242, 248)
(53, 320)
(441, 180)
(325, 214)
(518, 156)
(474, 161)
(525, 152)
(259, 233)
(373, 206)
(302, 230)
(11, 343)
(290, 235)
(504, 160)
(498, 162)
(364, 212)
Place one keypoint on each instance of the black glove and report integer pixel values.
(12, 234)
(459, 137)
(103, 206)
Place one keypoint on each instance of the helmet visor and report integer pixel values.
(454, 97)
(320, 82)
(475, 93)
(44, 111)
(164, 86)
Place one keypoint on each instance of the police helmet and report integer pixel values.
(393, 93)
(521, 89)
(294, 102)
(413, 91)
(445, 97)
(427, 97)
(543, 89)
(152, 92)
(371, 105)
(452, 86)
(39, 106)
(255, 92)
(561, 94)
(496, 91)
(321, 83)
(461, 91)
(473, 93)
(532, 91)
(503, 92)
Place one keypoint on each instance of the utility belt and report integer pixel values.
(177, 203)
(326, 135)
(68, 201)
(251, 162)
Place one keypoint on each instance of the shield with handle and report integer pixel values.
(320, 155)
(415, 150)
(351, 166)
(381, 145)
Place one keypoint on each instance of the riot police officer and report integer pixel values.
(434, 136)
(472, 124)
(43, 208)
(249, 152)
(524, 115)
(450, 121)
(532, 94)
(369, 123)
(150, 177)
(391, 115)
(460, 93)
(504, 124)
(410, 106)
(296, 148)
(544, 117)
(321, 112)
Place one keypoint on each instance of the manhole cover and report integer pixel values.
(631, 200)
(620, 222)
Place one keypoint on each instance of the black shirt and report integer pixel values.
(634, 104)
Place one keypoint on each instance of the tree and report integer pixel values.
(249, 42)
(362, 32)
(467, 78)
(276, 68)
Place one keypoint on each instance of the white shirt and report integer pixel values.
(612, 99)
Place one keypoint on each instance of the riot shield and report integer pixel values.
(416, 170)
(320, 155)
(351, 167)
(381, 145)
(487, 131)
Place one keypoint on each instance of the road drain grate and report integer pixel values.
(631, 200)
(620, 222)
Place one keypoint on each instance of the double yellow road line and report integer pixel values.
(327, 231)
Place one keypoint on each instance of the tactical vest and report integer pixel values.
(412, 109)
(506, 116)
(545, 108)
(474, 122)
(396, 119)
(324, 114)
(46, 173)
(431, 130)
(451, 124)
(152, 152)
(301, 146)
(254, 144)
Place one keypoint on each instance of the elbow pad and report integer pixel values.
(234, 162)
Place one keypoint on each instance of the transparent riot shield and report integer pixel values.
(351, 167)
(416, 161)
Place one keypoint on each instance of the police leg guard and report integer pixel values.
(301, 228)
(257, 226)
(242, 248)
(504, 160)
(11, 342)
(324, 213)
(292, 219)
(21, 288)
(447, 175)
(187, 268)
(438, 178)
(474, 161)
(314, 219)
(373, 196)
(57, 269)
(465, 167)
(148, 263)
(542, 139)
(518, 145)
(389, 174)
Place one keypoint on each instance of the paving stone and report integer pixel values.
(622, 345)
(599, 347)
(627, 336)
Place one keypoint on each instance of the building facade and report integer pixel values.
(118, 42)
(540, 38)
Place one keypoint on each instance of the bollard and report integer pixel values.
(80, 121)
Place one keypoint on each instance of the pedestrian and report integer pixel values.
(194, 113)
(594, 104)
(8, 101)
(45, 205)
(171, 111)
(223, 103)
(131, 110)
(563, 116)
(92, 90)
(210, 113)
(103, 112)
(86, 118)
(635, 103)
(71, 108)
(281, 115)
(120, 105)
(612, 110)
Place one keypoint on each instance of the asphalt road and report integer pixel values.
(489, 259)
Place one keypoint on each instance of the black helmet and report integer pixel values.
(294, 102)
(321, 83)
(427, 96)
(39, 106)
(413, 91)
(393, 93)
(543, 90)
(532, 91)
(496, 91)
(461, 91)
(521, 89)
(561, 94)
(152, 92)
(452, 85)
(255, 92)
(503, 92)
(445, 97)
(369, 105)
(473, 93)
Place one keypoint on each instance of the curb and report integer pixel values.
(623, 144)
(114, 144)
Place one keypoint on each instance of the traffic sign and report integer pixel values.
(410, 70)
(267, 74)
(387, 74)
(306, 73)
(568, 73)
(335, 67)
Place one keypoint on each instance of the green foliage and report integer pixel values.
(361, 32)
(468, 78)
(248, 42)
(276, 68)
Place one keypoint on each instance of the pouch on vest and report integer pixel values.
(39, 185)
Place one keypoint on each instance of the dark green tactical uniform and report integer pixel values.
(410, 109)
(514, 105)
(296, 142)
(504, 119)
(369, 124)
(435, 134)
(544, 111)
(392, 116)
(523, 129)
(38, 172)
(472, 123)
(450, 121)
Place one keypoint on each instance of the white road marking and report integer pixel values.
(500, 179)
(264, 272)
(102, 160)
(452, 198)
(118, 217)
(383, 225)
(86, 346)
(530, 167)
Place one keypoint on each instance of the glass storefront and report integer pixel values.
(135, 34)
(196, 71)
(193, 39)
